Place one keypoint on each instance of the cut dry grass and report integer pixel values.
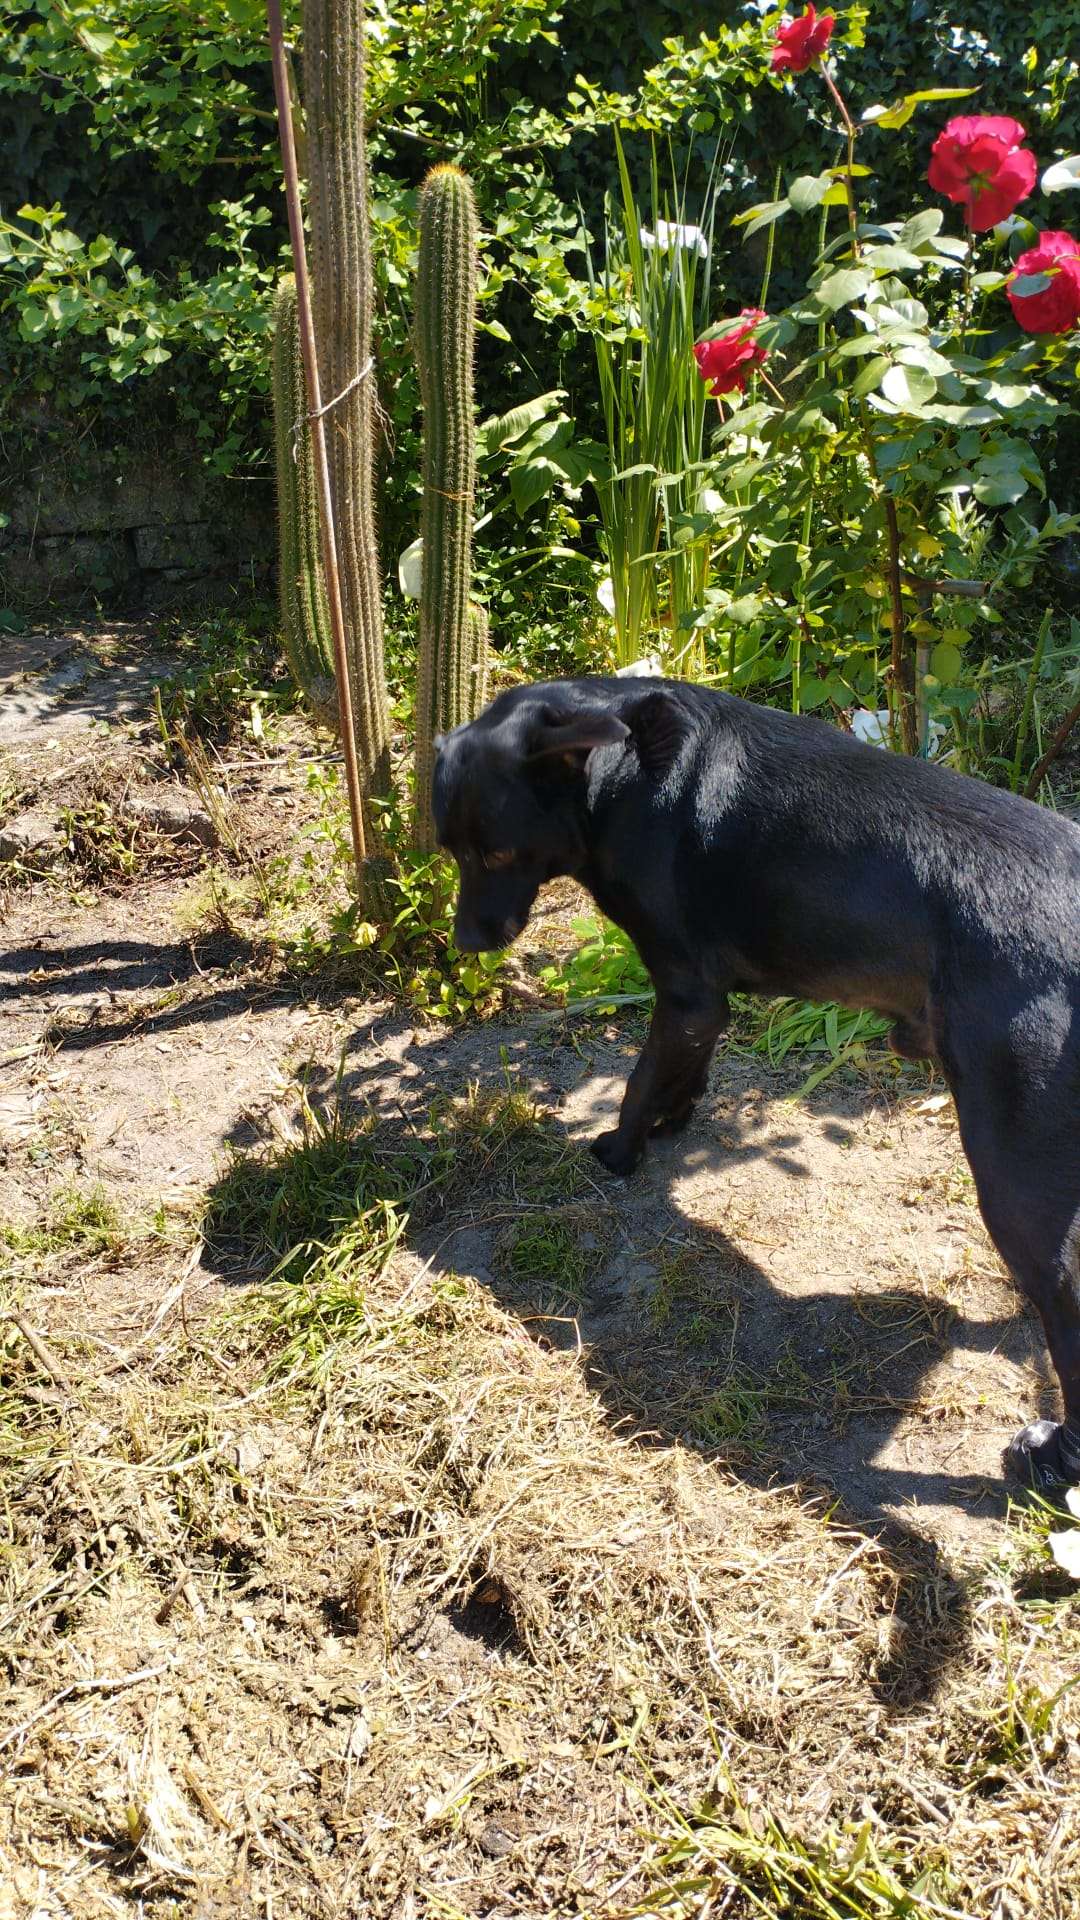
(348, 1598)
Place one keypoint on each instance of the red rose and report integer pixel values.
(725, 362)
(802, 42)
(1057, 308)
(978, 161)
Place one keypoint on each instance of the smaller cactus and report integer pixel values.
(453, 632)
(305, 617)
(476, 684)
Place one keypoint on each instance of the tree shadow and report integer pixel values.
(73, 978)
(686, 1338)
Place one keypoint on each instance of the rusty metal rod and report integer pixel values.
(316, 421)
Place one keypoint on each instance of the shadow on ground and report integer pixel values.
(686, 1336)
(101, 977)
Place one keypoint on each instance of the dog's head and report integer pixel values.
(508, 798)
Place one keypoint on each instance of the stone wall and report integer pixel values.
(134, 531)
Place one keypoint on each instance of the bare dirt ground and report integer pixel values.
(793, 1310)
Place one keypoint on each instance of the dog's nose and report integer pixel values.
(476, 936)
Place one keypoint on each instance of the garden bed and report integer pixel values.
(536, 1543)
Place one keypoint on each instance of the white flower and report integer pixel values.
(669, 234)
(605, 593)
(410, 569)
(647, 669)
(1063, 174)
(873, 729)
(1015, 223)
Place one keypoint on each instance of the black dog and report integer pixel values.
(742, 848)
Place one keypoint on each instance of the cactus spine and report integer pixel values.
(342, 295)
(305, 618)
(453, 632)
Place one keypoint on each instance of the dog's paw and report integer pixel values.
(1035, 1457)
(611, 1152)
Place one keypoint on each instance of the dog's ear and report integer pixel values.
(659, 726)
(573, 736)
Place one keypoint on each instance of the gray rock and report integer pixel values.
(172, 814)
(34, 838)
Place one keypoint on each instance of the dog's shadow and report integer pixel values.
(685, 1336)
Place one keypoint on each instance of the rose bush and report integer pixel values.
(873, 500)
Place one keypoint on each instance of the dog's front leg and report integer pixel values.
(667, 1081)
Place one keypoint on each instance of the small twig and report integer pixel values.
(46, 1359)
(182, 1585)
(1052, 751)
(108, 1685)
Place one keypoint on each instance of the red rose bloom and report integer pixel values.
(1057, 308)
(978, 161)
(725, 362)
(802, 42)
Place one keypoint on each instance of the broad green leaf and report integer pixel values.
(900, 114)
(868, 376)
(908, 387)
(766, 219)
(531, 481)
(1006, 396)
(951, 246)
(499, 431)
(899, 312)
(946, 663)
(921, 227)
(33, 322)
(742, 612)
(925, 357)
(763, 211)
(892, 259)
(840, 289)
(1000, 489)
(1029, 283)
(808, 191)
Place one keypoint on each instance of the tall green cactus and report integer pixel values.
(343, 301)
(305, 617)
(453, 633)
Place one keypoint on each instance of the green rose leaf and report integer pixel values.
(889, 258)
(808, 191)
(868, 376)
(844, 287)
(921, 227)
(908, 387)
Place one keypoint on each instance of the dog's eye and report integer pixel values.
(503, 857)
